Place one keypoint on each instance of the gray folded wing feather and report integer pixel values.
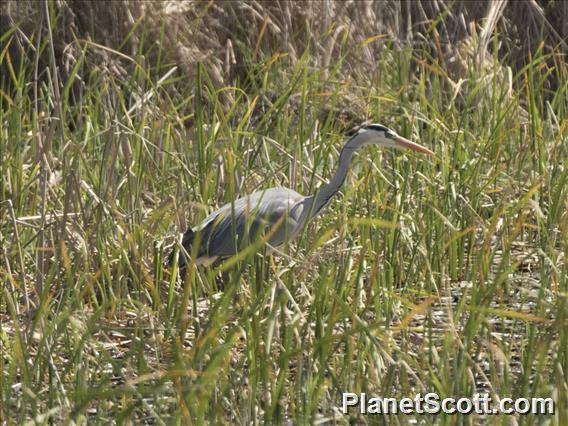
(275, 213)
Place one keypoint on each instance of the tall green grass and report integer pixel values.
(443, 274)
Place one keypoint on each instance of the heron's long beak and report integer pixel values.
(405, 143)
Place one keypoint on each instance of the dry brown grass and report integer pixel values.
(224, 34)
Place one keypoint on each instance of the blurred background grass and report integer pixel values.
(124, 123)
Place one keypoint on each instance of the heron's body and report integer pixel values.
(277, 215)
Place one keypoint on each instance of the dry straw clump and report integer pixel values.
(226, 36)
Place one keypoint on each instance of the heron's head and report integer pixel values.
(377, 134)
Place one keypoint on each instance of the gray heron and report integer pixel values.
(277, 215)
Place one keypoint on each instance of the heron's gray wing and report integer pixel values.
(197, 235)
(200, 235)
(275, 213)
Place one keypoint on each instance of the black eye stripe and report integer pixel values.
(377, 127)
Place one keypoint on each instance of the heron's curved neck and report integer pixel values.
(326, 193)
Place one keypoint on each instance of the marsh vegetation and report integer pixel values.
(123, 125)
